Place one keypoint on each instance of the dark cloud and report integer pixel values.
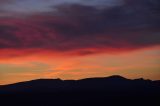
(4, 2)
(77, 27)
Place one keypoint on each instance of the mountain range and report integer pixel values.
(113, 90)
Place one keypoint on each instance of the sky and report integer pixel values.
(75, 39)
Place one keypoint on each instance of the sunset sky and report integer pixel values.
(75, 39)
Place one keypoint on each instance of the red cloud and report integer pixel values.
(82, 30)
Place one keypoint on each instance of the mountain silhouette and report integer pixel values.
(113, 90)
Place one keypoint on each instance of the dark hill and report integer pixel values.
(113, 90)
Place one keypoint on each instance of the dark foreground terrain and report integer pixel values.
(109, 91)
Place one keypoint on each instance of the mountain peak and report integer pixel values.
(116, 77)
